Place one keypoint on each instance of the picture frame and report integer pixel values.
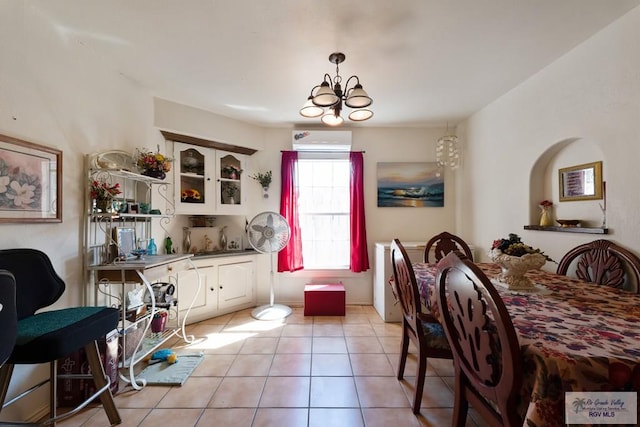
(30, 182)
(410, 184)
(581, 182)
(125, 239)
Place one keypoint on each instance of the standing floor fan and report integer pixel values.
(268, 233)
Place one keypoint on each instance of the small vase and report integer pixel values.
(103, 205)
(545, 217)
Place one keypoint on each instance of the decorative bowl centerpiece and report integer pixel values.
(516, 258)
(568, 222)
(139, 253)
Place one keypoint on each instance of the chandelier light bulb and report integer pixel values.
(331, 119)
(310, 110)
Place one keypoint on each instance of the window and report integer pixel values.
(324, 211)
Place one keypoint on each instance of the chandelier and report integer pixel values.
(448, 150)
(326, 98)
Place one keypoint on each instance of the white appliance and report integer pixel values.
(383, 300)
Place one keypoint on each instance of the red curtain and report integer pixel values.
(359, 253)
(290, 258)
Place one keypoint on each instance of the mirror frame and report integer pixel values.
(575, 175)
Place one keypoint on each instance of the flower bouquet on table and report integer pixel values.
(151, 164)
(515, 258)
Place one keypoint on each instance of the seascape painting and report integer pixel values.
(410, 184)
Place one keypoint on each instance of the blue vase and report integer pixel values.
(152, 249)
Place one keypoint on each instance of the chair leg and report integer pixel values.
(53, 390)
(100, 380)
(460, 403)
(404, 350)
(5, 378)
(419, 385)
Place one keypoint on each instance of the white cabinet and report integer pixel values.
(208, 181)
(227, 284)
(383, 300)
(235, 282)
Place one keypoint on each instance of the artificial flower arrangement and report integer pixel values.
(546, 204)
(103, 190)
(263, 178)
(515, 247)
(231, 171)
(191, 195)
(153, 164)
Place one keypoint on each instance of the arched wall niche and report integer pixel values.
(544, 185)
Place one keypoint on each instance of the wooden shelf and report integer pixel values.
(586, 230)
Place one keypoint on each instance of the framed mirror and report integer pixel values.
(581, 182)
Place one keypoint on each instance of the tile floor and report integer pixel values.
(303, 371)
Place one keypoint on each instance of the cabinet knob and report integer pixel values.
(220, 287)
(209, 179)
(212, 289)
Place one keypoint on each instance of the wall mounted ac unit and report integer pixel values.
(321, 140)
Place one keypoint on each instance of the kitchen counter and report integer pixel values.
(220, 254)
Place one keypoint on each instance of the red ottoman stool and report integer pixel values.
(325, 299)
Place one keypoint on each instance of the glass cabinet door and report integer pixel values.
(230, 179)
(193, 181)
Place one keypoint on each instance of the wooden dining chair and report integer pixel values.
(444, 243)
(486, 354)
(418, 327)
(603, 262)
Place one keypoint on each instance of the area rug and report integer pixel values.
(162, 373)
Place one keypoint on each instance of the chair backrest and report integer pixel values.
(406, 286)
(482, 337)
(8, 316)
(37, 283)
(603, 262)
(445, 243)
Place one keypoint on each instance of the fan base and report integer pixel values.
(271, 312)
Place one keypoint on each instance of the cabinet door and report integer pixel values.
(187, 290)
(231, 182)
(235, 283)
(194, 172)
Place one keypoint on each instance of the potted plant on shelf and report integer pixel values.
(231, 172)
(155, 165)
(264, 179)
(230, 189)
(103, 192)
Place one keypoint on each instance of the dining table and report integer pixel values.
(574, 336)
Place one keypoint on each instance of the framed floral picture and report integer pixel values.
(30, 182)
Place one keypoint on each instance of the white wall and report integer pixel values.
(56, 92)
(591, 94)
(383, 224)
